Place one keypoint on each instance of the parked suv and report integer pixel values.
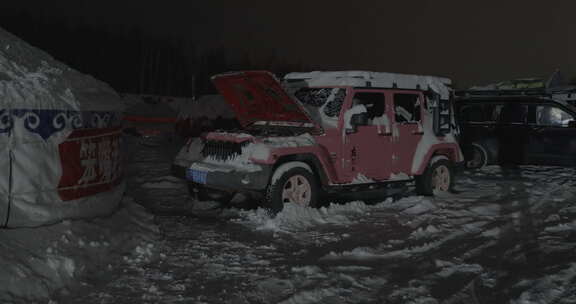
(344, 134)
(518, 125)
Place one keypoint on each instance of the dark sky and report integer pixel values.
(473, 42)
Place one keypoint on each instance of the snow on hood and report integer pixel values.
(290, 141)
(439, 85)
(255, 148)
(228, 136)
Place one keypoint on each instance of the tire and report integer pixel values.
(287, 179)
(478, 157)
(426, 183)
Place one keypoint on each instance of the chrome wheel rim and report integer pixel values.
(297, 189)
(441, 178)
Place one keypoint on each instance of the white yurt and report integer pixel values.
(59, 139)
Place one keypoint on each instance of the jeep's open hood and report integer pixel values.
(258, 98)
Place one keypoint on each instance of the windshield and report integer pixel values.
(323, 104)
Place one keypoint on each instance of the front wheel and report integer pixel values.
(291, 183)
(437, 177)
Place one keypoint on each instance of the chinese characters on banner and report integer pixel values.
(91, 163)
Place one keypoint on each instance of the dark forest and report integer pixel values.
(134, 61)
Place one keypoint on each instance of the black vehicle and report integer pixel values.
(533, 126)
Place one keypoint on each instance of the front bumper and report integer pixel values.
(231, 180)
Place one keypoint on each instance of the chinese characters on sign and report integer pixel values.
(91, 163)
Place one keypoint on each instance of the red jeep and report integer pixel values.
(345, 134)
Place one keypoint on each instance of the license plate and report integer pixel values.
(196, 176)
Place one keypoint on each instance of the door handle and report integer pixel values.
(418, 133)
(385, 133)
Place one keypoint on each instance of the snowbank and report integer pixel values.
(35, 263)
(294, 217)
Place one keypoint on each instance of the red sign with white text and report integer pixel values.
(91, 163)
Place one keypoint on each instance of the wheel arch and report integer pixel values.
(449, 152)
(307, 158)
(491, 146)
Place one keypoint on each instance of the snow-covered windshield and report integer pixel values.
(323, 104)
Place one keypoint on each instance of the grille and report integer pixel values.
(222, 150)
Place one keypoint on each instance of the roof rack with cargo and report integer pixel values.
(554, 87)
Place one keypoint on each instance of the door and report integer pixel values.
(478, 125)
(552, 141)
(366, 150)
(512, 131)
(407, 129)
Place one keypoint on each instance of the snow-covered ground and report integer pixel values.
(506, 237)
(43, 262)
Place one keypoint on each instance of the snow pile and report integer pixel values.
(295, 217)
(424, 205)
(36, 263)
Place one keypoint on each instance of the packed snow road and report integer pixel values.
(505, 237)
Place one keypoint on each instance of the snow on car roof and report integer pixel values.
(439, 85)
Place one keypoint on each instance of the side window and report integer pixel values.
(472, 113)
(375, 104)
(407, 107)
(323, 104)
(480, 113)
(552, 116)
(513, 113)
(494, 111)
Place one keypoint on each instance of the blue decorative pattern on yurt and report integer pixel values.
(48, 122)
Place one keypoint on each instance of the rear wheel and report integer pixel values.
(291, 183)
(437, 177)
(477, 158)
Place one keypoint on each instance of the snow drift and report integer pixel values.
(59, 139)
(39, 263)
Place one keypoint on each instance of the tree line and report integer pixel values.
(134, 61)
